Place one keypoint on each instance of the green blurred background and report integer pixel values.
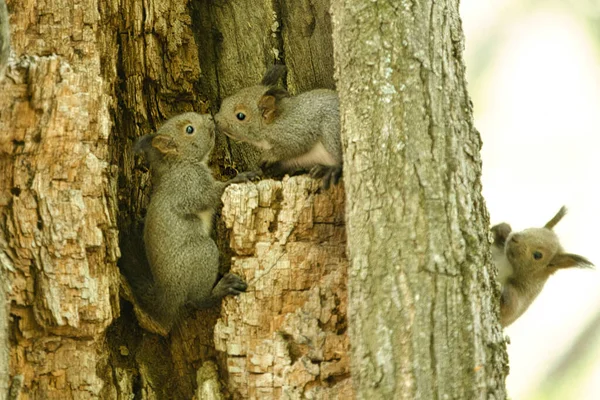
(534, 77)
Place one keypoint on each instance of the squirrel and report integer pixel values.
(183, 257)
(4, 36)
(525, 260)
(293, 132)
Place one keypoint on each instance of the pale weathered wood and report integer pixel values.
(423, 302)
(286, 337)
(58, 229)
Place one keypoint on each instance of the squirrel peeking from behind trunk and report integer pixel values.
(183, 257)
(525, 260)
(293, 132)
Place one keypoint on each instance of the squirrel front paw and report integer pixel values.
(246, 176)
(272, 169)
(501, 232)
(230, 284)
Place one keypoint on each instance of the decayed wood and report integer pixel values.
(423, 301)
(58, 227)
(90, 77)
(286, 337)
(235, 42)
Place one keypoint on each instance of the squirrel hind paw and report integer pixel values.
(318, 171)
(329, 175)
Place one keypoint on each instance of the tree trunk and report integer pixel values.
(88, 77)
(422, 322)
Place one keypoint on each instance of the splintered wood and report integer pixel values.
(58, 247)
(58, 235)
(286, 337)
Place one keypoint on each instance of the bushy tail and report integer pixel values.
(140, 288)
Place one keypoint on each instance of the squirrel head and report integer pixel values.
(188, 136)
(536, 252)
(243, 114)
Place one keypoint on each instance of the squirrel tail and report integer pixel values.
(135, 268)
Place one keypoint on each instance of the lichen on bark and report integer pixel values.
(423, 300)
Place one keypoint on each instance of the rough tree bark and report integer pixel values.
(86, 79)
(422, 320)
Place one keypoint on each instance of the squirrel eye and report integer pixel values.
(241, 116)
(189, 129)
(537, 255)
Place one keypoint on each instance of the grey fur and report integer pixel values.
(177, 233)
(302, 132)
(273, 75)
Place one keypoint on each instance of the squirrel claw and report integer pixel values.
(328, 174)
(501, 232)
(318, 171)
(272, 169)
(246, 177)
(230, 284)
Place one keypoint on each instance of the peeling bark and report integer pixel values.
(58, 225)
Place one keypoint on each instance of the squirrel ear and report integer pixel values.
(164, 144)
(268, 108)
(556, 219)
(268, 103)
(567, 260)
(273, 74)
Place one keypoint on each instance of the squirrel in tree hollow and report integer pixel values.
(525, 260)
(4, 36)
(183, 257)
(293, 132)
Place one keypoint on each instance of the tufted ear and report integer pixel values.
(556, 219)
(269, 104)
(273, 75)
(567, 260)
(165, 144)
